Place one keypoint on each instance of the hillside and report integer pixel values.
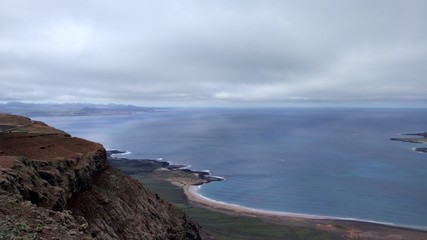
(54, 186)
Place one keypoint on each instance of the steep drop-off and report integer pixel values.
(56, 186)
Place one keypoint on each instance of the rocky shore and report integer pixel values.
(131, 166)
(420, 138)
(54, 186)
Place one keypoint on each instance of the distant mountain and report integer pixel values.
(70, 109)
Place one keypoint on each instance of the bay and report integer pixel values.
(327, 161)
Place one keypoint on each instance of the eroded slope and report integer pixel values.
(44, 172)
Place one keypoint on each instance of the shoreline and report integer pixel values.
(204, 175)
(192, 194)
(352, 227)
(190, 180)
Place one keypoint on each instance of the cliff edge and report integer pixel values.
(54, 186)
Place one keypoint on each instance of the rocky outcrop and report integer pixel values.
(137, 212)
(53, 185)
(23, 220)
(50, 184)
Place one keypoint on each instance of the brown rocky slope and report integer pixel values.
(54, 186)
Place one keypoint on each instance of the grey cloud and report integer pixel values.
(213, 52)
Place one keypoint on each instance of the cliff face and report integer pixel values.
(137, 211)
(45, 173)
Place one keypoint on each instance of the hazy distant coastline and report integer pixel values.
(70, 109)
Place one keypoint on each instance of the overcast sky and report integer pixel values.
(214, 52)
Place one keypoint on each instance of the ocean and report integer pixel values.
(332, 162)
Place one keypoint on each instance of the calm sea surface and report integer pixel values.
(331, 162)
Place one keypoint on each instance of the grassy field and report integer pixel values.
(224, 226)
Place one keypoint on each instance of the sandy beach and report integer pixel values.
(352, 228)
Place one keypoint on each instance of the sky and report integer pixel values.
(215, 52)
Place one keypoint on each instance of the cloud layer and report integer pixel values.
(214, 52)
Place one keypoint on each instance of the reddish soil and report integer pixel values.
(45, 147)
(45, 171)
(38, 141)
(7, 161)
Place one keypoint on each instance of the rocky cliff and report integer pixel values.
(54, 186)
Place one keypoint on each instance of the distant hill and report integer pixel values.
(70, 109)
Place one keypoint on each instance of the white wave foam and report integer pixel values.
(418, 151)
(185, 167)
(218, 177)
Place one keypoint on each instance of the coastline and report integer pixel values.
(190, 180)
(413, 138)
(192, 195)
(352, 228)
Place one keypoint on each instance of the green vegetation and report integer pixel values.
(166, 190)
(12, 228)
(224, 226)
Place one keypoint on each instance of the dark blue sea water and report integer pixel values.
(330, 162)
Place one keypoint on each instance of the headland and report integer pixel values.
(414, 138)
(55, 186)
